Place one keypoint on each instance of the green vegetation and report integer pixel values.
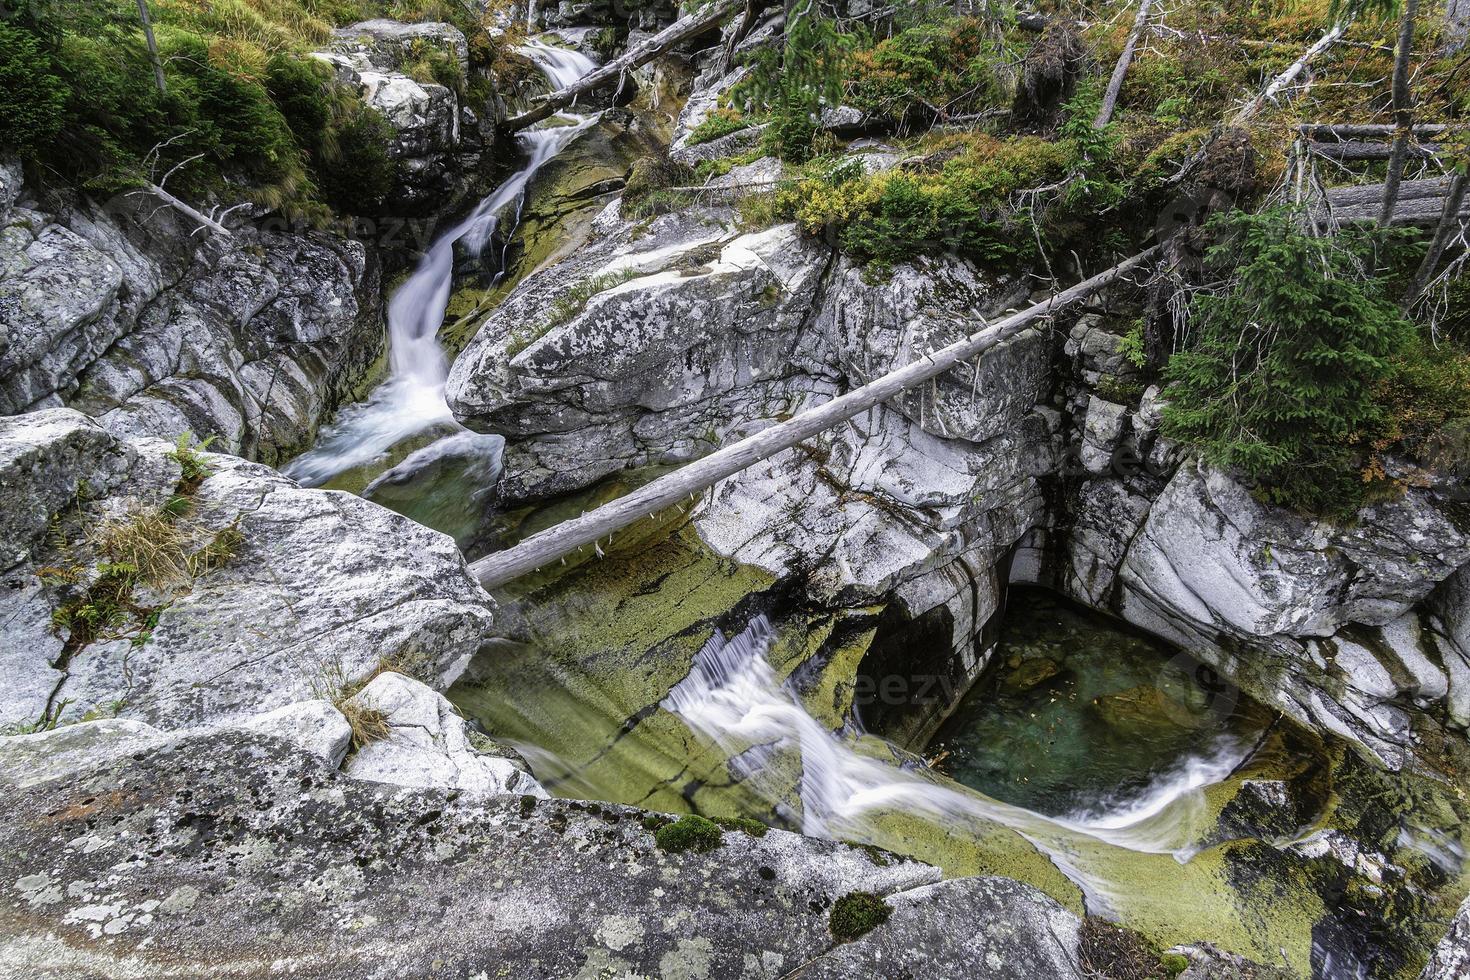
(690, 832)
(721, 122)
(244, 105)
(945, 67)
(856, 914)
(1282, 376)
(746, 825)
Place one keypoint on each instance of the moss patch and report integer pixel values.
(690, 832)
(856, 914)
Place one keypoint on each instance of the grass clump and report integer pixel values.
(856, 914)
(721, 122)
(690, 832)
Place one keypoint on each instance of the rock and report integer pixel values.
(1029, 674)
(427, 744)
(124, 311)
(1102, 430)
(49, 459)
(315, 726)
(924, 306)
(239, 835)
(440, 140)
(1139, 710)
(1262, 809)
(1268, 596)
(990, 927)
(28, 760)
(699, 341)
(312, 588)
(1451, 959)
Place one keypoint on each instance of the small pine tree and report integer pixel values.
(1278, 383)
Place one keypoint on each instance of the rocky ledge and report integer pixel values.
(127, 854)
(179, 588)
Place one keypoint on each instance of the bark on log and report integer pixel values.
(1120, 70)
(680, 30)
(1339, 132)
(549, 545)
(1355, 150)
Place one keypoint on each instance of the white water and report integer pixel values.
(411, 400)
(732, 698)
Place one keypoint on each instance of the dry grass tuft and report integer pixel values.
(151, 543)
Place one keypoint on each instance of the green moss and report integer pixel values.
(690, 832)
(1174, 963)
(856, 914)
(747, 825)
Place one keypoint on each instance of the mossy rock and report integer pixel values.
(690, 832)
(856, 914)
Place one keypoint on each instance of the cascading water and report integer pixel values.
(732, 698)
(412, 401)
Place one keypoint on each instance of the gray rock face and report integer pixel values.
(427, 744)
(440, 139)
(1343, 628)
(990, 927)
(124, 311)
(316, 586)
(696, 331)
(244, 852)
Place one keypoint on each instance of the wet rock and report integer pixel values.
(427, 744)
(1139, 710)
(448, 485)
(1029, 674)
(1262, 809)
(990, 927)
(1451, 959)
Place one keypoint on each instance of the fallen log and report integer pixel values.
(1444, 230)
(1349, 150)
(691, 25)
(1120, 70)
(1339, 132)
(547, 546)
(1420, 202)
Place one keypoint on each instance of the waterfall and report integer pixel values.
(732, 697)
(411, 400)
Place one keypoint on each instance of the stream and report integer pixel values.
(1103, 766)
(411, 401)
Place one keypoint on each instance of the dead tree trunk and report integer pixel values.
(1403, 112)
(1449, 220)
(1120, 70)
(554, 543)
(152, 42)
(1253, 108)
(680, 30)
